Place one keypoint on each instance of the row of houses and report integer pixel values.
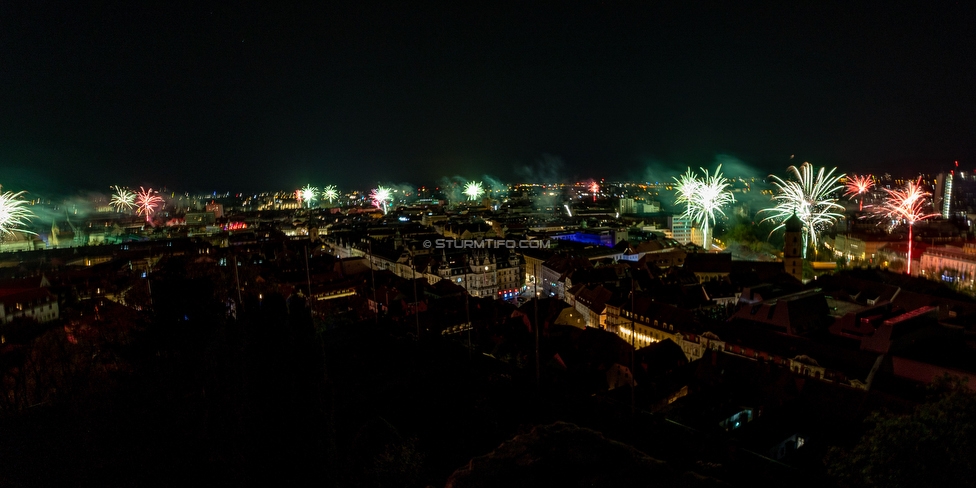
(950, 263)
(485, 272)
(843, 330)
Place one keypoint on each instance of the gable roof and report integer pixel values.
(700, 262)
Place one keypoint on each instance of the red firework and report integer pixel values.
(858, 186)
(907, 205)
(147, 201)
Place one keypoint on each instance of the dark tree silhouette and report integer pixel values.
(933, 446)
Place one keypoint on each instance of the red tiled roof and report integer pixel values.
(9, 297)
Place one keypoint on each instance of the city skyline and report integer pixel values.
(215, 97)
(453, 186)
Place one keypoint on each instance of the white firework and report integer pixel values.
(330, 193)
(703, 198)
(123, 199)
(307, 195)
(380, 197)
(473, 190)
(810, 195)
(14, 214)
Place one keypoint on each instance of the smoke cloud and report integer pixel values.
(547, 170)
(747, 182)
(497, 187)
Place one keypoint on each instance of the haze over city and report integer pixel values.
(252, 96)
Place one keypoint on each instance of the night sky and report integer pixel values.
(254, 96)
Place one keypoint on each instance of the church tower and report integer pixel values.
(793, 247)
(444, 269)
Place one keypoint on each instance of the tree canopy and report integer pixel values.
(933, 446)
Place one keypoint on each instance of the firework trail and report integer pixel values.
(809, 196)
(906, 205)
(14, 215)
(147, 202)
(703, 197)
(122, 199)
(380, 197)
(858, 186)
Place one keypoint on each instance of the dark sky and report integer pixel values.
(253, 96)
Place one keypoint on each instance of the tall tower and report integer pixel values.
(942, 200)
(793, 247)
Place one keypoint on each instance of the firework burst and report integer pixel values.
(685, 185)
(14, 215)
(307, 195)
(147, 202)
(122, 199)
(473, 190)
(906, 205)
(330, 193)
(703, 197)
(857, 186)
(380, 197)
(809, 196)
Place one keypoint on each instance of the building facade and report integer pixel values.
(952, 265)
(38, 304)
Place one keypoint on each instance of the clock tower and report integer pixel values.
(793, 247)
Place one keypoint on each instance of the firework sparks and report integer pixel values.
(857, 186)
(14, 215)
(685, 185)
(594, 189)
(330, 193)
(473, 190)
(147, 202)
(703, 197)
(380, 197)
(809, 197)
(307, 195)
(906, 205)
(122, 199)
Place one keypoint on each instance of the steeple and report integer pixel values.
(444, 269)
(793, 247)
(794, 224)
